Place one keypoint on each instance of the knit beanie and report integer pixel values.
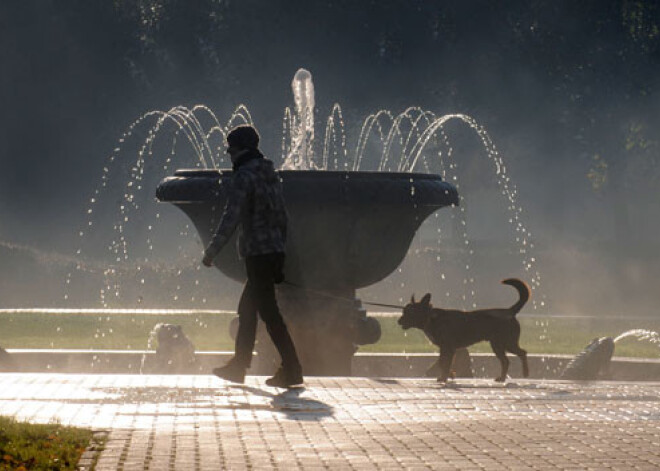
(243, 137)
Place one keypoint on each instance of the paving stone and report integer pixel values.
(200, 422)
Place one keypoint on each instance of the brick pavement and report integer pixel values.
(202, 423)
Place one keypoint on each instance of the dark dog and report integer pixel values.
(450, 329)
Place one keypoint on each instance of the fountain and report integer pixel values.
(348, 230)
(353, 217)
(595, 359)
(590, 362)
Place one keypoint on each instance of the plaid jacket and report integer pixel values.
(256, 207)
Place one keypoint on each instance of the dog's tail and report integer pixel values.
(523, 291)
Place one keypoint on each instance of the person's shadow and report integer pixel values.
(291, 404)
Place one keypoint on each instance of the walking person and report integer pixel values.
(256, 207)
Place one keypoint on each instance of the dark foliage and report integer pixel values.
(568, 88)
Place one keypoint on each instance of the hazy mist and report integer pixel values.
(567, 91)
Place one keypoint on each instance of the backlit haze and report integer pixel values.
(566, 91)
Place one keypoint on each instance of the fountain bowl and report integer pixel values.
(347, 230)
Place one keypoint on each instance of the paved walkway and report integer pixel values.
(200, 422)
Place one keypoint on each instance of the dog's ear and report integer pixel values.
(426, 300)
(412, 299)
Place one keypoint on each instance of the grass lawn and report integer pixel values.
(210, 332)
(26, 446)
(560, 335)
(120, 332)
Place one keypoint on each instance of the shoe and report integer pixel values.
(285, 379)
(231, 372)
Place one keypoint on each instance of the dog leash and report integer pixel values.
(332, 296)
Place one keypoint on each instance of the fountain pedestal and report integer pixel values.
(327, 331)
(347, 230)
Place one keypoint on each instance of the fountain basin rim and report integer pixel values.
(402, 189)
(192, 172)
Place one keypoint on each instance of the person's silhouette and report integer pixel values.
(256, 207)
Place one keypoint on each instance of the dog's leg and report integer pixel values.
(500, 353)
(462, 365)
(446, 359)
(522, 354)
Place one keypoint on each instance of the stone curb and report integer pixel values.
(364, 364)
(90, 456)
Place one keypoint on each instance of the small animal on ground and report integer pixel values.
(451, 329)
(175, 352)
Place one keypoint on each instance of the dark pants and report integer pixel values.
(263, 271)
